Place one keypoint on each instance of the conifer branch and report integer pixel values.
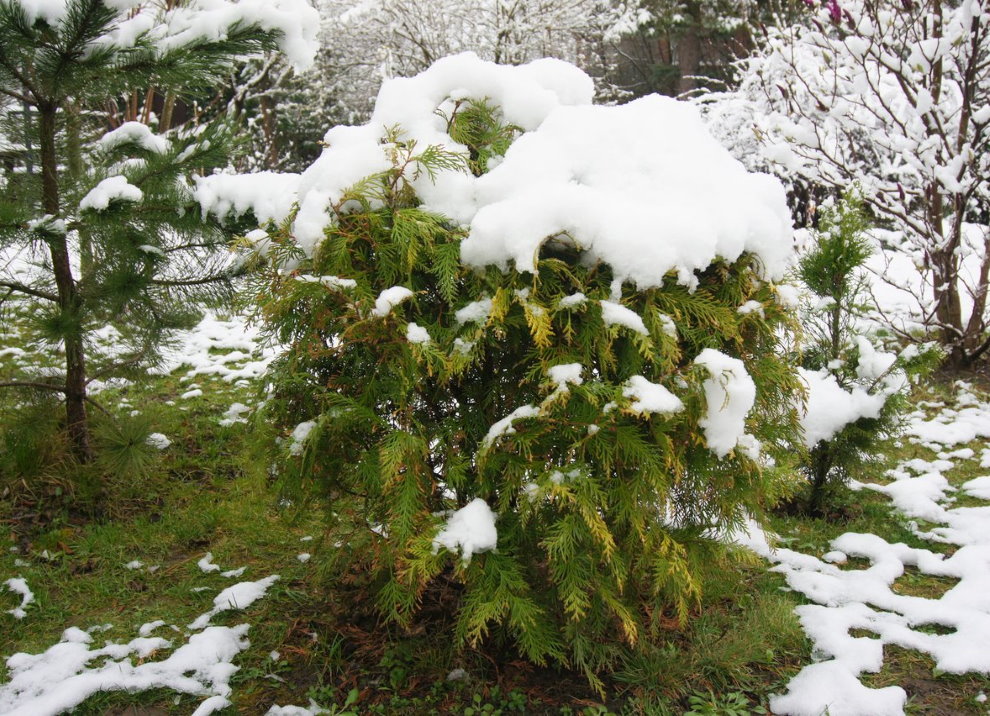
(54, 388)
(214, 278)
(21, 288)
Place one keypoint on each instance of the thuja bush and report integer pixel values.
(565, 449)
(858, 392)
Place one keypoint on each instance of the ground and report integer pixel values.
(206, 498)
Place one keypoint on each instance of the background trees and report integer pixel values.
(107, 217)
(897, 98)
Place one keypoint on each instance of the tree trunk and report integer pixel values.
(77, 422)
(689, 55)
(268, 125)
(73, 130)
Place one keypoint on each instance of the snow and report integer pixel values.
(239, 596)
(504, 426)
(615, 314)
(642, 186)
(61, 678)
(650, 397)
(299, 435)
(978, 487)
(295, 22)
(830, 407)
(314, 709)
(269, 195)
(206, 564)
(470, 529)
(134, 564)
(147, 628)
(234, 414)
(51, 11)
(561, 375)
(134, 133)
(389, 299)
(474, 312)
(335, 283)
(158, 441)
(729, 396)
(228, 347)
(416, 333)
(751, 307)
(303, 557)
(846, 599)
(573, 301)
(110, 189)
(19, 585)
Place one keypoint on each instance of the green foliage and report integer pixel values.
(139, 265)
(708, 704)
(606, 515)
(833, 272)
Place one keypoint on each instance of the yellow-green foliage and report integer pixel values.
(604, 514)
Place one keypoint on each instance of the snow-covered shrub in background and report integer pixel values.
(537, 340)
(896, 97)
(856, 392)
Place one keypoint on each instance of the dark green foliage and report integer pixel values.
(833, 272)
(606, 516)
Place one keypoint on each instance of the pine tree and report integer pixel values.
(840, 349)
(424, 395)
(121, 240)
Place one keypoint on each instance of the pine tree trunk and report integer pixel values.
(688, 58)
(68, 297)
(75, 166)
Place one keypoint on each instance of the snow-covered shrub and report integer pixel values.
(857, 393)
(533, 343)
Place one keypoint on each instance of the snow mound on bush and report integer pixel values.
(470, 529)
(643, 186)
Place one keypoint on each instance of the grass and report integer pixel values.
(209, 492)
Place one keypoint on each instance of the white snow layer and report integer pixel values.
(300, 433)
(268, 194)
(134, 133)
(19, 585)
(564, 373)
(110, 189)
(158, 441)
(864, 599)
(295, 22)
(504, 426)
(470, 529)
(60, 678)
(830, 407)
(641, 186)
(389, 299)
(238, 596)
(729, 396)
(650, 397)
(615, 314)
(415, 333)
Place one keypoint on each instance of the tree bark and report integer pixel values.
(688, 58)
(77, 421)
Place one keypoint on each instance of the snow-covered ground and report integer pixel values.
(68, 672)
(848, 598)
